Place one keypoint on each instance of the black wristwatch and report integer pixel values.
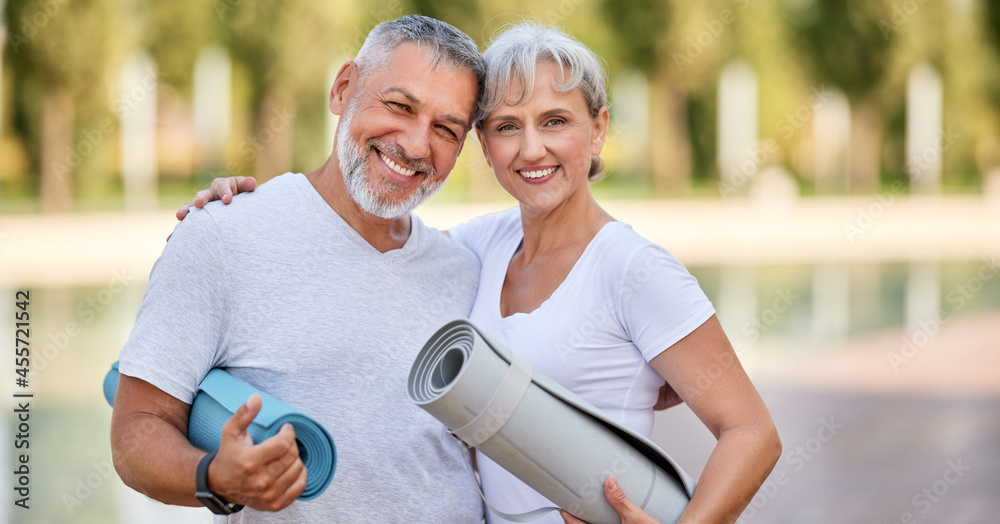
(213, 502)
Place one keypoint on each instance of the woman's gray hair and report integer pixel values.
(446, 42)
(511, 61)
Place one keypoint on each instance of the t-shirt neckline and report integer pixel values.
(511, 249)
(409, 247)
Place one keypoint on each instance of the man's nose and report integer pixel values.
(416, 142)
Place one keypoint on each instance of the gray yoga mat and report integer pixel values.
(557, 443)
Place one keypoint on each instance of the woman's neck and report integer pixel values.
(573, 222)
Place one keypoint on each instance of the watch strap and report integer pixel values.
(213, 502)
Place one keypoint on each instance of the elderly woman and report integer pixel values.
(584, 298)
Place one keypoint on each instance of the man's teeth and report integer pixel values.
(537, 174)
(396, 167)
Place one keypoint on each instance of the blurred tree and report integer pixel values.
(59, 51)
(992, 22)
(287, 46)
(639, 28)
(464, 15)
(175, 32)
(846, 43)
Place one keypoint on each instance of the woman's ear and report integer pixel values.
(601, 122)
(482, 143)
(343, 87)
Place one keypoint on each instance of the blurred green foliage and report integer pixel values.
(64, 57)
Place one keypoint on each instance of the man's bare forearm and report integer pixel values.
(154, 458)
(149, 443)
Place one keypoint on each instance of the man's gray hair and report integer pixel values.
(511, 63)
(447, 44)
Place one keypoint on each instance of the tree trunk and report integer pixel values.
(272, 144)
(866, 148)
(57, 159)
(670, 143)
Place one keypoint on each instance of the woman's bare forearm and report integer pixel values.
(739, 464)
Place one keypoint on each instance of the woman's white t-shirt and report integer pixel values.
(625, 301)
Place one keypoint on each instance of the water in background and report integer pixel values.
(77, 333)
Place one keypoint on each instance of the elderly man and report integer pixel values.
(318, 289)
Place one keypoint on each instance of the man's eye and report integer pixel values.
(448, 130)
(397, 105)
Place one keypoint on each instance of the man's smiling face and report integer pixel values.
(402, 130)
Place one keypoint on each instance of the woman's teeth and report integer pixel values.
(396, 167)
(537, 174)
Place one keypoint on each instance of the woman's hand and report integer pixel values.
(668, 398)
(630, 513)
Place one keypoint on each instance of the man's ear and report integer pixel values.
(482, 143)
(343, 87)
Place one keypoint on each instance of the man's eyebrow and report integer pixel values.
(417, 103)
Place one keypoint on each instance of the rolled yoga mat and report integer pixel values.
(220, 395)
(554, 441)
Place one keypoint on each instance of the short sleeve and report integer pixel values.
(181, 324)
(660, 302)
(478, 234)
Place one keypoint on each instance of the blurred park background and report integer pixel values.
(828, 169)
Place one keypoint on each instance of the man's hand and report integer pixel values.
(668, 398)
(629, 512)
(221, 189)
(267, 476)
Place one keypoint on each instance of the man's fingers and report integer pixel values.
(570, 519)
(183, 211)
(288, 485)
(202, 197)
(279, 448)
(245, 184)
(237, 425)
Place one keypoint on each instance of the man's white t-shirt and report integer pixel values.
(624, 302)
(277, 289)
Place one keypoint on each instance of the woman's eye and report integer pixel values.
(555, 122)
(505, 127)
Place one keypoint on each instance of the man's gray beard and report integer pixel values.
(356, 178)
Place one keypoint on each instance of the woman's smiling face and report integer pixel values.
(540, 150)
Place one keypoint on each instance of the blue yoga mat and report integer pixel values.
(221, 394)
